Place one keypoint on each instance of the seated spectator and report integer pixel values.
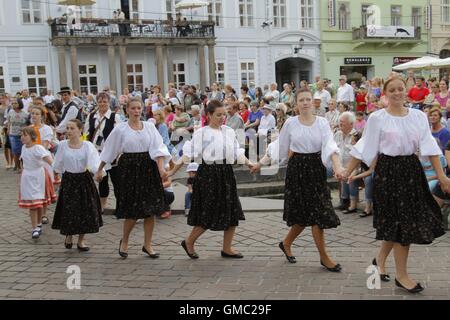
(192, 171)
(281, 112)
(234, 120)
(196, 120)
(332, 115)
(169, 197)
(179, 125)
(437, 129)
(168, 114)
(360, 122)
(243, 111)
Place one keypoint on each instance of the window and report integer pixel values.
(220, 73)
(247, 73)
(31, 11)
(279, 13)
(365, 14)
(135, 76)
(344, 16)
(445, 11)
(2, 80)
(87, 12)
(416, 17)
(37, 80)
(215, 12)
(134, 9)
(179, 74)
(306, 14)
(396, 15)
(88, 78)
(246, 13)
(170, 8)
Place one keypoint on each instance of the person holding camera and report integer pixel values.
(99, 125)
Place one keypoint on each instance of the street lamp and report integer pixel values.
(299, 46)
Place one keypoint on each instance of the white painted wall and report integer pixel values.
(22, 44)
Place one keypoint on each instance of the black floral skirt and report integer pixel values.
(78, 210)
(140, 192)
(404, 209)
(307, 199)
(215, 204)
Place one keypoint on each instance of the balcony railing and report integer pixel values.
(93, 28)
(398, 34)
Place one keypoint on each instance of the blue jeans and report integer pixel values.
(368, 190)
(349, 190)
(187, 200)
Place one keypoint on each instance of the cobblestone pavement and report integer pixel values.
(37, 269)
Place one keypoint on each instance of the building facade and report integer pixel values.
(440, 32)
(368, 38)
(46, 46)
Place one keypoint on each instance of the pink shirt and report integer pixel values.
(360, 124)
(169, 119)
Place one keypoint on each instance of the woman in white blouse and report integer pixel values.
(140, 168)
(404, 209)
(307, 142)
(78, 210)
(215, 203)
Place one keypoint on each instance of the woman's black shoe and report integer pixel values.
(418, 288)
(83, 249)
(336, 268)
(151, 255)
(291, 259)
(383, 277)
(191, 255)
(232, 256)
(122, 254)
(350, 211)
(67, 245)
(365, 214)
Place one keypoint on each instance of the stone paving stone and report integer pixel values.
(37, 269)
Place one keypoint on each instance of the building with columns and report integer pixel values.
(234, 41)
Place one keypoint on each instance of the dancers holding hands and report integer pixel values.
(307, 143)
(215, 204)
(404, 209)
(140, 170)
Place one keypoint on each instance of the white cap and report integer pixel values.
(192, 167)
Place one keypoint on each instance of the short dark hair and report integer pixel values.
(244, 88)
(213, 105)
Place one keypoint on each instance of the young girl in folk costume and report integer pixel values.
(307, 143)
(44, 137)
(140, 171)
(78, 210)
(215, 202)
(36, 188)
(404, 209)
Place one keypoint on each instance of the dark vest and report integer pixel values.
(70, 105)
(109, 126)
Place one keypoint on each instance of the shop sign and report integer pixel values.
(358, 60)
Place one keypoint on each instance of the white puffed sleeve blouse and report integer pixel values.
(214, 145)
(124, 139)
(395, 136)
(72, 160)
(300, 138)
